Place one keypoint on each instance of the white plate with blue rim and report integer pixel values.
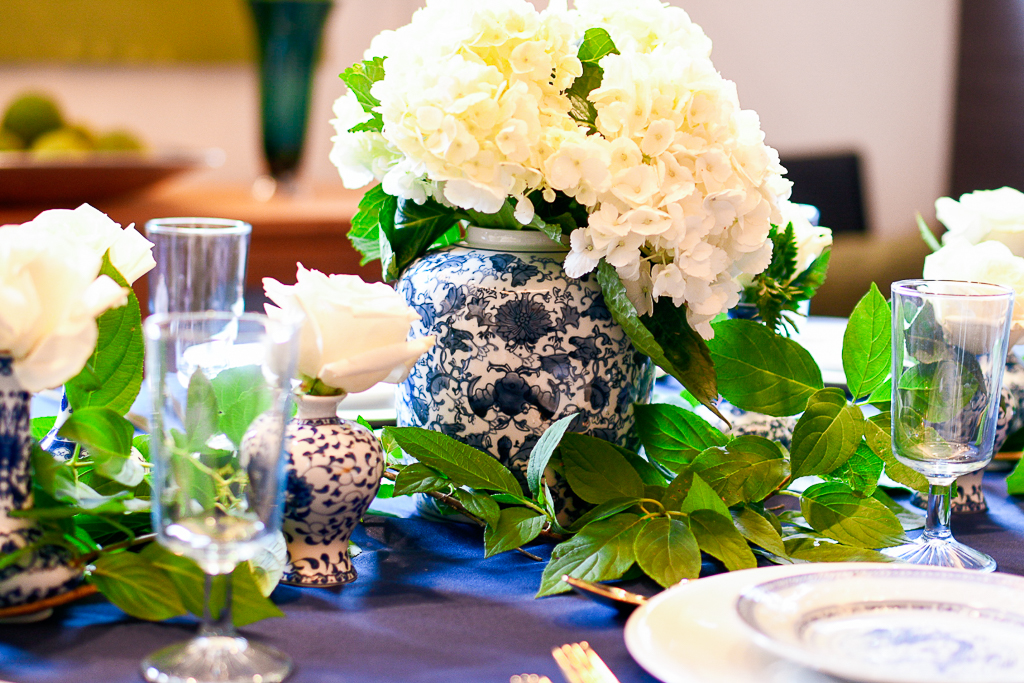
(899, 624)
(694, 632)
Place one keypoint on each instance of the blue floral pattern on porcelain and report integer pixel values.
(519, 346)
(333, 472)
(44, 572)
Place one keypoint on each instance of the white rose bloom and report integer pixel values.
(130, 253)
(990, 262)
(354, 334)
(984, 215)
(50, 296)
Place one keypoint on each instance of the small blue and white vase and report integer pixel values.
(519, 346)
(333, 472)
(45, 572)
(53, 443)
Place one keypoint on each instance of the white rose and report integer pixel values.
(990, 262)
(984, 215)
(130, 253)
(354, 334)
(50, 296)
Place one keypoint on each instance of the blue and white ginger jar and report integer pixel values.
(519, 346)
(333, 472)
(42, 573)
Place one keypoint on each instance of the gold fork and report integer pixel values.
(522, 678)
(580, 664)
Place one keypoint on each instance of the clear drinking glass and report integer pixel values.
(949, 345)
(200, 264)
(221, 388)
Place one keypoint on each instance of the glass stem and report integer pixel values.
(222, 625)
(936, 524)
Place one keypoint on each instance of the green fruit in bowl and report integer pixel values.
(9, 141)
(62, 142)
(32, 115)
(119, 141)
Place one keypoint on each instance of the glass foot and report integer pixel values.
(217, 659)
(942, 553)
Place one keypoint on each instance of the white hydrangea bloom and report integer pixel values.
(680, 186)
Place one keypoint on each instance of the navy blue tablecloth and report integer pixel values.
(427, 606)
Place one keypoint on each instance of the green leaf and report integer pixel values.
(112, 376)
(672, 344)
(419, 478)
(826, 434)
(814, 277)
(761, 371)
(938, 391)
(673, 436)
(821, 550)
(596, 471)
(601, 551)
(131, 582)
(650, 474)
(595, 45)
(881, 397)
(365, 230)
(667, 551)
(416, 227)
(248, 604)
(835, 510)
(515, 527)
(360, 78)
(758, 530)
(480, 505)
(702, 496)
(41, 426)
(1015, 482)
(867, 344)
(748, 469)
(242, 395)
(541, 453)
(910, 518)
(185, 574)
(926, 233)
(717, 536)
(877, 436)
(201, 416)
(462, 464)
(100, 430)
(603, 511)
(861, 471)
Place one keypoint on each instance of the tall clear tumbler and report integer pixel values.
(200, 264)
(221, 389)
(949, 345)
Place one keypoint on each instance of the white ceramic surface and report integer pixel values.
(692, 633)
(895, 625)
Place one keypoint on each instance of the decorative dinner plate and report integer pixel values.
(26, 179)
(692, 633)
(894, 625)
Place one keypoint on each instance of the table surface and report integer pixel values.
(427, 606)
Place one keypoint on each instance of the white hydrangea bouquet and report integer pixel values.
(605, 126)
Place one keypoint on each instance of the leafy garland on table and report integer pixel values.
(95, 505)
(698, 490)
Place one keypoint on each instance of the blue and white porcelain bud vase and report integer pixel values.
(333, 472)
(42, 573)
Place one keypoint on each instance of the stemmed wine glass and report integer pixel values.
(949, 345)
(220, 385)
